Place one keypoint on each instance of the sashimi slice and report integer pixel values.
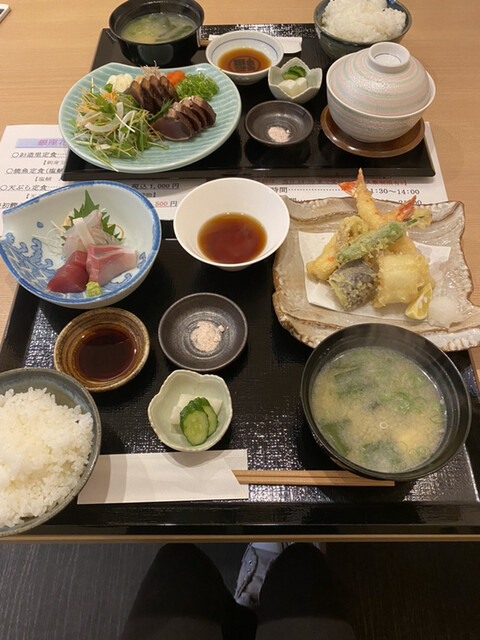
(86, 231)
(106, 262)
(72, 277)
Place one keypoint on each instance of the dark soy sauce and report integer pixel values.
(231, 238)
(105, 353)
(244, 60)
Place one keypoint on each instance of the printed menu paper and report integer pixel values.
(32, 158)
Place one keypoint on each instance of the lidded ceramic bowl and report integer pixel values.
(379, 93)
(383, 79)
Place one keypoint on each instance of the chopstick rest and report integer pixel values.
(318, 478)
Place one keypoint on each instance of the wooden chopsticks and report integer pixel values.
(318, 478)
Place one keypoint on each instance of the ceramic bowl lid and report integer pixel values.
(382, 80)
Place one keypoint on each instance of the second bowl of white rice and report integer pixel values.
(346, 26)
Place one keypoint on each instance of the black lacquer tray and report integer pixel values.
(268, 421)
(241, 156)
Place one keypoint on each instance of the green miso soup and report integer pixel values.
(378, 409)
(155, 28)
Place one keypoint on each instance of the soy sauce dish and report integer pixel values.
(244, 56)
(103, 348)
(231, 223)
(385, 402)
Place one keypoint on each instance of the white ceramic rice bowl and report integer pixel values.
(69, 392)
(231, 195)
(368, 127)
(32, 259)
(378, 94)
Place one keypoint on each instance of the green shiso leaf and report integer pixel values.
(87, 207)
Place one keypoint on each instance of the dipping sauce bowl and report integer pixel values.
(103, 348)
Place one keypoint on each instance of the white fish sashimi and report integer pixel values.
(85, 232)
(106, 262)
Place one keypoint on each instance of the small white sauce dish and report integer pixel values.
(163, 407)
(263, 42)
(280, 87)
(223, 195)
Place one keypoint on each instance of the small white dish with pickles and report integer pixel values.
(294, 81)
(192, 411)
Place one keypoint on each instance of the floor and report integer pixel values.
(393, 591)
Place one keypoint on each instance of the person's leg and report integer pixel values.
(183, 596)
(297, 599)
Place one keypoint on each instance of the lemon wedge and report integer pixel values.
(418, 309)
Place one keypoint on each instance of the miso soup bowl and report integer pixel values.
(428, 357)
(165, 54)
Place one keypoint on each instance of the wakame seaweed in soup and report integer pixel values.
(155, 28)
(378, 409)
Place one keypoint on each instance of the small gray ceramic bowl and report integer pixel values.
(335, 47)
(69, 392)
(223, 322)
(279, 123)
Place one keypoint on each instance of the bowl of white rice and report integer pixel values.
(50, 433)
(346, 26)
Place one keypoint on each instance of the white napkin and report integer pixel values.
(165, 477)
(290, 44)
(322, 295)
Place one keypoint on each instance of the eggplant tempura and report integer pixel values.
(371, 258)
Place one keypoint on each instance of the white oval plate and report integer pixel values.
(226, 104)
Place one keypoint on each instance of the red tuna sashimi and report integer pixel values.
(105, 262)
(71, 277)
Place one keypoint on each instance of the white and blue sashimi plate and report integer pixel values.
(31, 248)
(226, 104)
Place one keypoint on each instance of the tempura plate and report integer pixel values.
(226, 104)
(311, 324)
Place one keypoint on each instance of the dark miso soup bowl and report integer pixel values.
(166, 54)
(434, 362)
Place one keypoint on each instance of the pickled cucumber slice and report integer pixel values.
(194, 423)
(211, 415)
(294, 72)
